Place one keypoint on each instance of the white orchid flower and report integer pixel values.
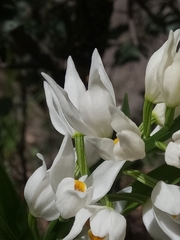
(104, 223)
(172, 153)
(39, 195)
(164, 212)
(74, 109)
(73, 194)
(127, 146)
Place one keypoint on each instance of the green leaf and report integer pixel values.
(58, 229)
(164, 172)
(5, 231)
(125, 106)
(12, 213)
(162, 135)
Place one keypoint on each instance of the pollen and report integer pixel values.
(92, 237)
(116, 141)
(80, 186)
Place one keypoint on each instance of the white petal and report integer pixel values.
(102, 224)
(64, 163)
(70, 112)
(44, 201)
(169, 227)
(70, 201)
(98, 73)
(103, 177)
(80, 219)
(56, 114)
(73, 84)
(176, 136)
(119, 232)
(172, 154)
(34, 181)
(94, 109)
(104, 146)
(130, 146)
(166, 197)
(150, 222)
(121, 122)
(92, 154)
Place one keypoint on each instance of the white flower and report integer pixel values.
(39, 194)
(158, 113)
(172, 153)
(162, 218)
(105, 223)
(169, 71)
(128, 145)
(74, 109)
(152, 89)
(72, 194)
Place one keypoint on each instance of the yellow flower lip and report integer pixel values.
(80, 186)
(116, 141)
(92, 237)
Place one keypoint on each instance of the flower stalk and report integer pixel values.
(81, 154)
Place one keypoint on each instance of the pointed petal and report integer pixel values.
(73, 84)
(64, 163)
(34, 181)
(80, 219)
(121, 122)
(98, 73)
(57, 117)
(70, 112)
(103, 177)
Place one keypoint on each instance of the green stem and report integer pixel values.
(169, 116)
(161, 145)
(162, 135)
(81, 155)
(135, 197)
(143, 178)
(33, 226)
(147, 112)
(105, 201)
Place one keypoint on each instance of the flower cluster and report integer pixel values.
(100, 143)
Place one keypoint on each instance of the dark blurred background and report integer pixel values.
(39, 35)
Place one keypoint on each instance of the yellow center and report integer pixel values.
(92, 237)
(116, 141)
(174, 216)
(80, 186)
